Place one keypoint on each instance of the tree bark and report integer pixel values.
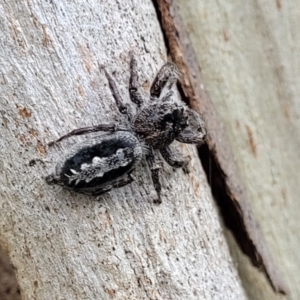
(249, 56)
(120, 245)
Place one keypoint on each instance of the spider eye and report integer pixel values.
(168, 118)
(177, 114)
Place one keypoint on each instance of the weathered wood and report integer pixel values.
(249, 57)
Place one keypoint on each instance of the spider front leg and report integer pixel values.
(188, 136)
(172, 159)
(165, 77)
(195, 133)
(154, 168)
(135, 94)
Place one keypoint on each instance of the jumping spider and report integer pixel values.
(106, 161)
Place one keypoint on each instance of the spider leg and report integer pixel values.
(99, 191)
(165, 77)
(195, 133)
(167, 96)
(123, 181)
(172, 159)
(188, 136)
(135, 94)
(84, 130)
(119, 183)
(123, 108)
(154, 168)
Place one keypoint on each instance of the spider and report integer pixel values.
(107, 160)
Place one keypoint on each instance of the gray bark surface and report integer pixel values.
(119, 245)
(249, 56)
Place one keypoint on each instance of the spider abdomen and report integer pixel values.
(98, 164)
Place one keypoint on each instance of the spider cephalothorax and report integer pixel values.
(160, 123)
(107, 160)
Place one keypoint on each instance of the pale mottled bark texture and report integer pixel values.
(119, 245)
(249, 56)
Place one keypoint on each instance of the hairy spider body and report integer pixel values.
(99, 164)
(167, 121)
(106, 161)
